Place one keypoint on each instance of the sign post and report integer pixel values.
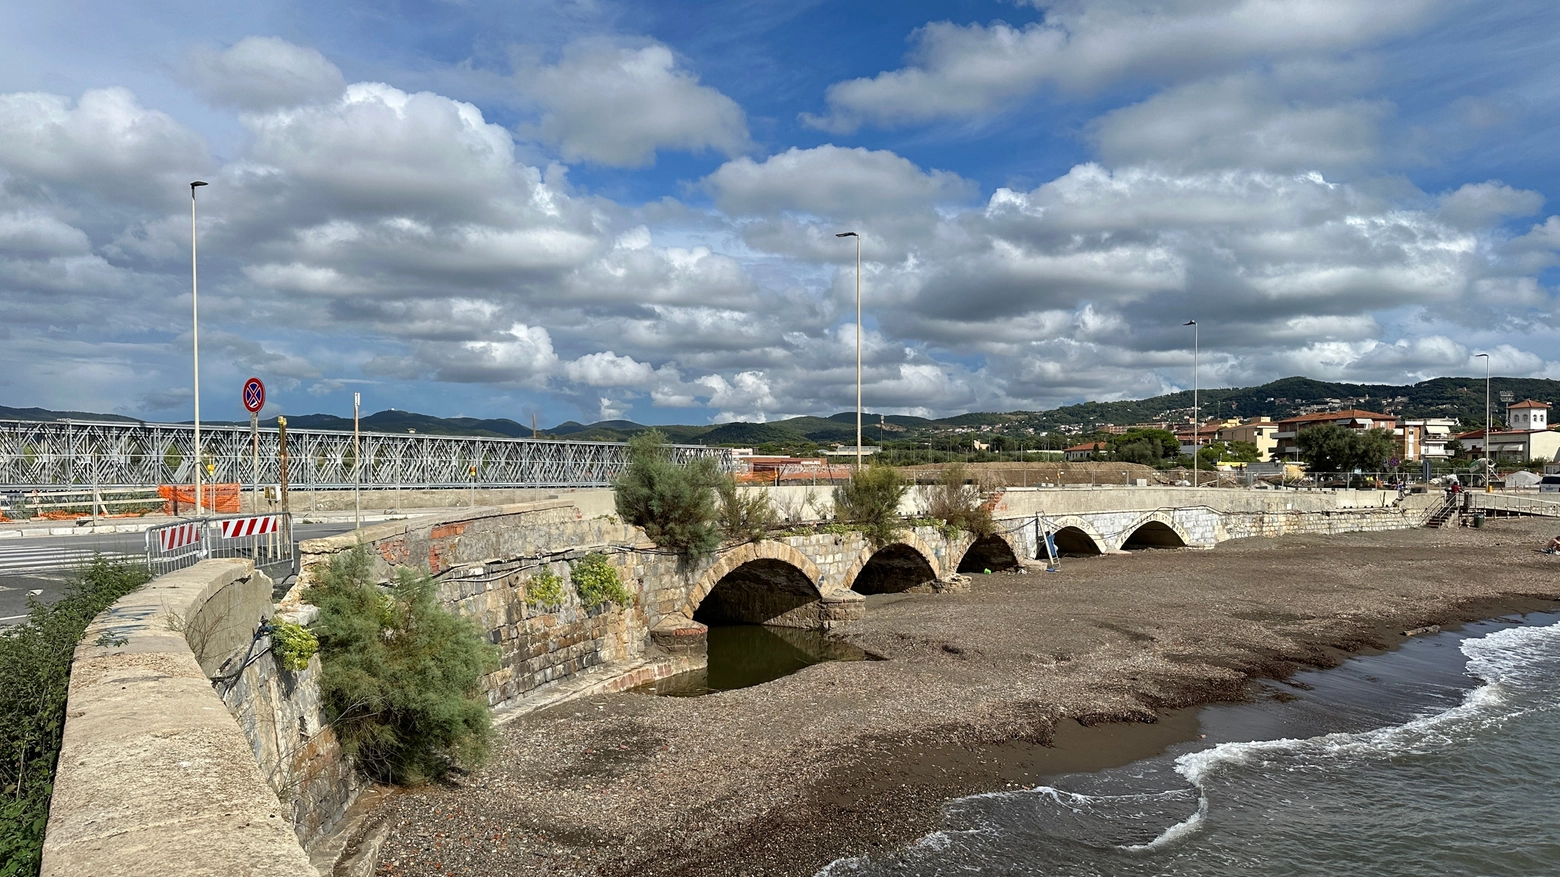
(254, 400)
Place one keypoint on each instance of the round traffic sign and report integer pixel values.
(254, 395)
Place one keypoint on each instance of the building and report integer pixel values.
(1527, 415)
(1529, 437)
(1260, 431)
(1083, 452)
(1288, 430)
(1434, 435)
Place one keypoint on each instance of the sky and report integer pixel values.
(588, 210)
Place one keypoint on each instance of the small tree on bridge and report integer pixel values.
(870, 500)
(674, 505)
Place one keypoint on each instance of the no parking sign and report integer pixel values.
(254, 395)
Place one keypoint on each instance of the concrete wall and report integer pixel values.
(154, 775)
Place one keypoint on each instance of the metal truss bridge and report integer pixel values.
(76, 453)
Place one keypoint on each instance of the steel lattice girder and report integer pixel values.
(73, 453)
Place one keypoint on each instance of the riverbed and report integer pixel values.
(1025, 677)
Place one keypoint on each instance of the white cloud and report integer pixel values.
(974, 70)
(616, 105)
(105, 144)
(1242, 121)
(607, 369)
(832, 181)
(264, 73)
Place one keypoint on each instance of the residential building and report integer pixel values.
(1260, 431)
(1080, 453)
(1534, 442)
(1288, 429)
(1434, 435)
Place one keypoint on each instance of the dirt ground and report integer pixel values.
(1025, 676)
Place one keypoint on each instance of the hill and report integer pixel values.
(1461, 398)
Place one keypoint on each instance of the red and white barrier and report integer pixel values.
(178, 536)
(233, 528)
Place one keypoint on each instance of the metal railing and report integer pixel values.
(266, 539)
(71, 453)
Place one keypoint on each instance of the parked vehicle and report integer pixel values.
(1550, 484)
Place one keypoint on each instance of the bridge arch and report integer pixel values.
(764, 582)
(1156, 530)
(1078, 536)
(994, 552)
(1076, 541)
(898, 566)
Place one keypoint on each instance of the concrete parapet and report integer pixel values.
(154, 775)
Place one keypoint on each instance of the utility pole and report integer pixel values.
(1196, 426)
(195, 338)
(357, 465)
(281, 462)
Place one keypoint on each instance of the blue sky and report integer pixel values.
(587, 210)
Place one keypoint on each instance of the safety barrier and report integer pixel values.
(265, 539)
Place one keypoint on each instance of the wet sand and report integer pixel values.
(1024, 677)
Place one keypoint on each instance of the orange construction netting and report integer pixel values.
(220, 498)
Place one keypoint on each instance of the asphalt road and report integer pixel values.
(41, 566)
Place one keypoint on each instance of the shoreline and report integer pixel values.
(787, 777)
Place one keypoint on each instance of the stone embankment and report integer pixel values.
(164, 773)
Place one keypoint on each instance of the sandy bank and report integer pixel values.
(845, 758)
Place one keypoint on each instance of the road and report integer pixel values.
(41, 566)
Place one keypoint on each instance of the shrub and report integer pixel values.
(35, 661)
(960, 504)
(544, 590)
(744, 516)
(292, 644)
(674, 505)
(870, 500)
(401, 680)
(596, 581)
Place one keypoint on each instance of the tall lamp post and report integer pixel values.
(1196, 414)
(851, 234)
(195, 337)
(1487, 452)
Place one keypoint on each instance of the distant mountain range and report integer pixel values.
(1461, 398)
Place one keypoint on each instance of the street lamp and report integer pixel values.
(851, 234)
(1487, 457)
(1196, 416)
(195, 337)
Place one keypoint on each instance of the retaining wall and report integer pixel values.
(155, 776)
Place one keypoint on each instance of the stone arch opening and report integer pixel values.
(1154, 534)
(988, 552)
(1075, 542)
(762, 591)
(894, 569)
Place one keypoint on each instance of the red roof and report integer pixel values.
(1329, 416)
(1528, 403)
(1089, 446)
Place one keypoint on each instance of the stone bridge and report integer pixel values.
(810, 577)
(814, 576)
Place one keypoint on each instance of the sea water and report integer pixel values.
(1440, 758)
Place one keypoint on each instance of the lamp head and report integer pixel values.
(1190, 323)
(847, 234)
(197, 184)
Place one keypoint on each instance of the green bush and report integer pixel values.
(35, 661)
(674, 505)
(959, 504)
(596, 581)
(870, 501)
(544, 590)
(745, 517)
(401, 680)
(292, 644)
